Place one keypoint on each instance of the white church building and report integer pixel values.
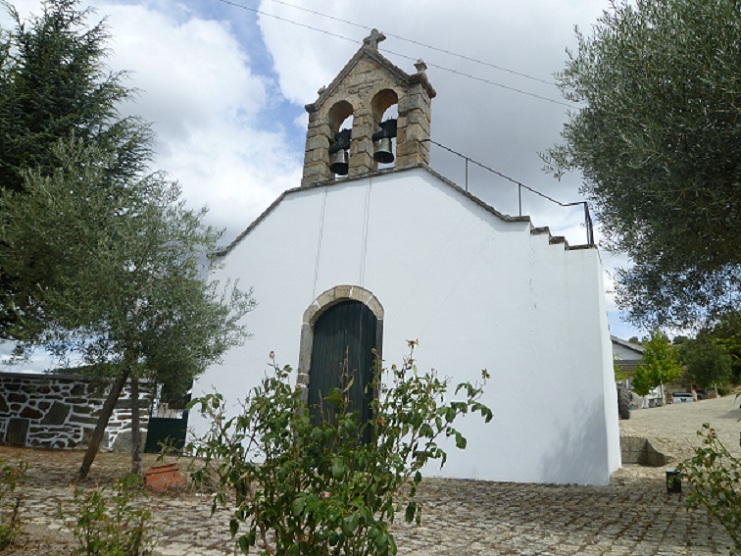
(368, 258)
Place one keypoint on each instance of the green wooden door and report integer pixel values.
(346, 328)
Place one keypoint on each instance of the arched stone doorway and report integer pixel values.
(345, 322)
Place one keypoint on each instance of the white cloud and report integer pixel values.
(208, 105)
(190, 72)
(212, 105)
(37, 362)
(205, 102)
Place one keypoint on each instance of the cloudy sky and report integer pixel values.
(225, 81)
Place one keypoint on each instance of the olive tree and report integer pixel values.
(657, 138)
(130, 296)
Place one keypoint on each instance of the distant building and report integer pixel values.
(627, 355)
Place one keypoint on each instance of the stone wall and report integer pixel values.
(55, 411)
(635, 449)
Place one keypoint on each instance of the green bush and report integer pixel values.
(308, 481)
(10, 474)
(111, 521)
(714, 478)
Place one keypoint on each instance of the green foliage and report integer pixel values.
(658, 141)
(97, 258)
(128, 265)
(10, 474)
(128, 292)
(111, 521)
(727, 332)
(707, 361)
(643, 382)
(660, 364)
(714, 476)
(620, 374)
(102, 259)
(320, 489)
(54, 83)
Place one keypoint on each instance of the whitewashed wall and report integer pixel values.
(477, 291)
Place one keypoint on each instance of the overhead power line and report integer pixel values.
(484, 80)
(286, 20)
(418, 43)
(437, 66)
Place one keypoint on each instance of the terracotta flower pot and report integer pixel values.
(164, 477)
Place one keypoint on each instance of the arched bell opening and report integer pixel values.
(385, 114)
(340, 119)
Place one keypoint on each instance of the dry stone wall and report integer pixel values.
(54, 411)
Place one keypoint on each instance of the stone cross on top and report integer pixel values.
(374, 38)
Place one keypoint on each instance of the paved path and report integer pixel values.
(632, 516)
(674, 427)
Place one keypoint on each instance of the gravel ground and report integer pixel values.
(632, 516)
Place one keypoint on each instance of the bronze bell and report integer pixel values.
(383, 153)
(338, 163)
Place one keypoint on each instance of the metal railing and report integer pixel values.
(588, 224)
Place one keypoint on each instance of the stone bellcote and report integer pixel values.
(365, 88)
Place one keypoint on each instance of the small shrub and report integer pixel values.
(714, 477)
(10, 474)
(111, 521)
(313, 481)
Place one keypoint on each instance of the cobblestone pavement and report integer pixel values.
(674, 427)
(632, 516)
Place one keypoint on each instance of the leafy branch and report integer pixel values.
(310, 480)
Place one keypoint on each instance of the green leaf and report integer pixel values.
(338, 468)
(298, 505)
(426, 431)
(244, 544)
(410, 511)
(320, 479)
(233, 527)
(655, 155)
(460, 441)
(349, 524)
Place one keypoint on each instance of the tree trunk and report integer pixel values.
(136, 437)
(100, 426)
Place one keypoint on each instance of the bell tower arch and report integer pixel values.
(365, 88)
